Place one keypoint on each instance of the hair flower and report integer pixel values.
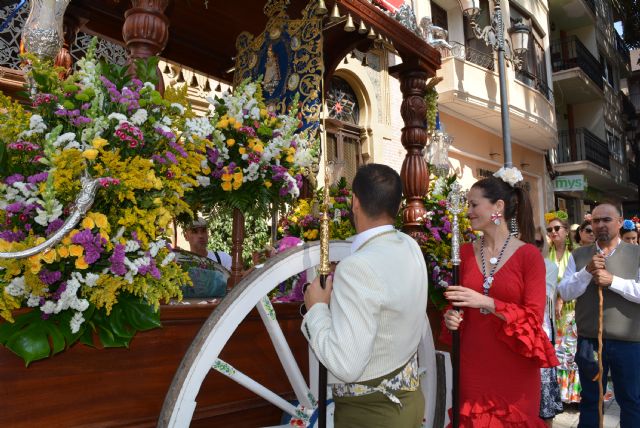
(511, 175)
(628, 225)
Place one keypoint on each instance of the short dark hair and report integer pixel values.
(379, 190)
(516, 204)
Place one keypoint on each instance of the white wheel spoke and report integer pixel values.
(253, 386)
(291, 368)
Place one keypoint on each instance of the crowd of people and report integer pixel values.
(526, 309)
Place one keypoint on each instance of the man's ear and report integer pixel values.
(355, 203)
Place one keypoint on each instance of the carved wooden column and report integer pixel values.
(71, 26)
(415, 172)
(146, 28)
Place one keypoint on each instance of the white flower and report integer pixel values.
(118, 116)
(178, 107)
(16, 287)
(67, 137)
(76, 322)
(139, 117)
(203, 181)
(511, 175)
(33, 301)
(131, 246)
(168, 259)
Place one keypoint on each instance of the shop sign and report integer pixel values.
(569, 183)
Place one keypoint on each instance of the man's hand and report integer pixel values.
(316, 294)
(602, 277)
(597, 262)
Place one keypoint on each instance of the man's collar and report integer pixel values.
(363, 236)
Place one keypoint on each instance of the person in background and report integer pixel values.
(566, 337)
(550, 401)
(502, 292)
(584, 234)
(197, 234)
(573, 233)
(628, 232)
(613, 267)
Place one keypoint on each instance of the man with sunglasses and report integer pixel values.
(614, 266)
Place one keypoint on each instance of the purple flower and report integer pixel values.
(151, 269)
(93, 244)
(15, 207)
(49, 277)
(38, 178)
(15, 178)
(171, 157)
(54, 226)
(11, 236)
(117, 261)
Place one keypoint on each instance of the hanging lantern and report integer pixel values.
(42, 33)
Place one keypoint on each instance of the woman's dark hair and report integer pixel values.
(580, 229)
(516, 204)
(379, 190)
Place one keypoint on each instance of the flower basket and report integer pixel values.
(106, 278)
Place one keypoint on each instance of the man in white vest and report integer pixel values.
(365, 326)
(613, 266)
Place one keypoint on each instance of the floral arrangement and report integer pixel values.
(254, 158)
(511, 175)
(560, 214)
(303, 221)
(435, 239)
(107, 277)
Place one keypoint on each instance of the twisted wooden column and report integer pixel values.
(415, 172)
(146, 28)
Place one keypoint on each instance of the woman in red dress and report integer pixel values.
(502, 300)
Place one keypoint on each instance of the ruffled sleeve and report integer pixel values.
(522, 332)
(522, 329)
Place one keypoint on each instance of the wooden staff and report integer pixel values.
(455, 206)
(600, 374)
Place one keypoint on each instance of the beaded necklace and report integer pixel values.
(495, 261)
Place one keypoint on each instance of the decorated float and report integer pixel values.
(98, 161)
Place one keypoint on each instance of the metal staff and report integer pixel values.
(455, 206)
(324, 270)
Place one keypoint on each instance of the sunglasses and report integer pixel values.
(556, 228)
(588, 230)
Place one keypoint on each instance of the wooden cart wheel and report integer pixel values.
(251, 292)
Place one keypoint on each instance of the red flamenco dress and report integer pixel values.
(500, 360)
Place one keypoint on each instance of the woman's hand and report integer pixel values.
(465, 297)
(452, 319)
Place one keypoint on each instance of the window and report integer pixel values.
(477, 51)
(344, 135)
(534, 67)
(439, 16)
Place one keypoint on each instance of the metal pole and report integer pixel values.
(504, 103)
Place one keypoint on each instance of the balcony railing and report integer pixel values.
(622, 48)
(579, 145)
(535, 82)
(460, 51)
(571, 53)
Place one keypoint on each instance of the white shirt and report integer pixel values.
(364, 236)
(225, 259)
(574, 284)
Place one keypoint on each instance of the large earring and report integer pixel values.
(495, 218)
(513, 226)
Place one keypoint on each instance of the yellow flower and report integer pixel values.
(227, 177)
(63, 252)
(232, 120)
(263, 112)
(237, 125)
(88, 223)
(49, 256)
(267, 184)
(242, 150)
(289, 159)
(259, 148)
(231, 142)
(99, 143)
(237, 185)
(237, 176)
(100, 220)
(34, 262)
(226, 186)
(76, 250)
(222, 124)
(81, 263)
(90, 154)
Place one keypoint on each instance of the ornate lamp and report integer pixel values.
(519, 33)
(470, 8)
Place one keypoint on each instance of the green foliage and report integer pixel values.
(257, 232)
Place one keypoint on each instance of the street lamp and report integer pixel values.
(493, 35)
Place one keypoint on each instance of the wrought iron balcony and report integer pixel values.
(581, 145)
(622, 49)
(460, 51)
(535, 82)
(571, 53)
